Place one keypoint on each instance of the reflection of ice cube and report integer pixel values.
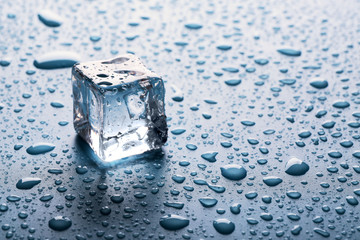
(119, 107)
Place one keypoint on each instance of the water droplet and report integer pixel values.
(56, 59)
(272, 181)
(230, 69)
(224, 47)
(266, 199)
(176, 205)
(224, 226)
(178, 131)
(5, 62)
(341, 104)
(290, 52)
(293, 194)
(191, 147)
(105, 210)
(13, 198)
(3, 207)
(40, 148)
(210, 156)
(261, 61)
(27, 183)
(335, 154)
(233, 82)
(46, 197)
(352, 200)
(50, 18)
(304, 134)
(95, 38)
(57, 105)
(81, 170)
(233, 172)
(60, 223)
(178, 178)
(248, 123)
(266, 216)
(235, 208)
(293, 216)
(173, 222)
(193, 26)
(269, 131)
(328, 124)
(296, 230)
(319, 83)
(217, 188)
(322, 232)
(296, 167)
(288, 81)
(208, 202)
(117, 198)
(55, 171)
(251, 195)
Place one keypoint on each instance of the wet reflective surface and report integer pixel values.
(263, 112)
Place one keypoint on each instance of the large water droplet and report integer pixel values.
(293, 194)
(210, 156)
(178, 131)
(40, 148)
(208, 202)
(290, 52)
(233, 82)
(5, 62)
(322, 232)
(233, 172)
(341, 104)
(117, 198)
(13, 198)
(272, 181)
(177, 205)
(56, 59)
(193, 26)
(173, 222)
(27, 183)
(296, 167)
(60, 223)
(319, 83)
(224, 226)
(50, 18)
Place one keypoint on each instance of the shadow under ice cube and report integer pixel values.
(119, 107)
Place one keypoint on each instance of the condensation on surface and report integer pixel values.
(262, 100)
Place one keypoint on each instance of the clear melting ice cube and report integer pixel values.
(119, 107)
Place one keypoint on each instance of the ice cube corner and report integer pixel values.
(119, 107)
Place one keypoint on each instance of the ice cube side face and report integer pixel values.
(119, 107)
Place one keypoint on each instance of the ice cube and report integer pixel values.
(119, 107)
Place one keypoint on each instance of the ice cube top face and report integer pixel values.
(119, 107)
